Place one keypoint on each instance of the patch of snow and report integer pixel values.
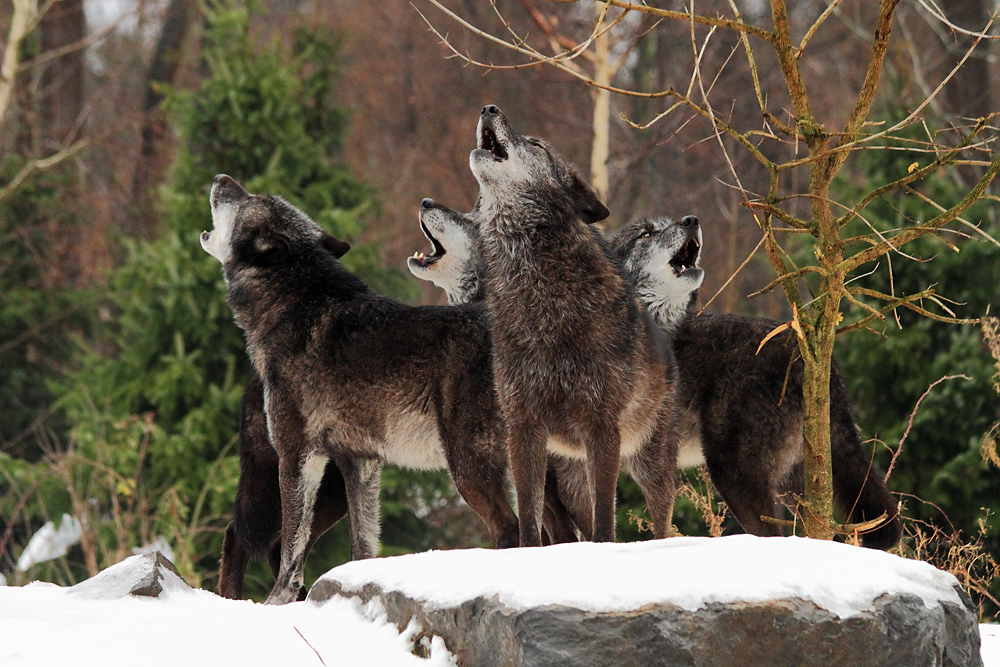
(45, 624)
(116, 581)
(689, 572)
(991, 644)
(3, 580)
(48, 543)
(159, 544)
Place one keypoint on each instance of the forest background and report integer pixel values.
(121, 369)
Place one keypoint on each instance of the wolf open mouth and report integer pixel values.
(488, 141)
(437, 250)
(686, 257)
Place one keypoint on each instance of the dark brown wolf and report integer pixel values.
(579, 367)
(353, 376)
(742, 408)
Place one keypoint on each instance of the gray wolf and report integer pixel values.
(742, 410)
(353, 376)
(735, 419)
(255, 527)
(579, 367)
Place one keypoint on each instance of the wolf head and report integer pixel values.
(259, 230)
(454, 264)
(660, 259)
(514, 168)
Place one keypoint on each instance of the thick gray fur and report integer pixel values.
(742, 407)
(580, 368)
(351, 375)
(749, 443)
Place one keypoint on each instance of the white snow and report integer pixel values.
(48, 543)
(689, 572)
(991, 644)
(159, 544)
(43, 624)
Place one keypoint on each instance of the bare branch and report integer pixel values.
(41, 164)
(917, 174)
(931, 225)
(737, 25)
(791, 275)
(880, 44)
(895, 455)
(815, 26)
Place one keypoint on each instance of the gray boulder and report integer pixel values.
(894, 628)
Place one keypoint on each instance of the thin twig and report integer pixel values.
(892, 463)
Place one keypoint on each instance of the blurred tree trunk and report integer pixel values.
(968, 93)
(61, 99)
(163, 68)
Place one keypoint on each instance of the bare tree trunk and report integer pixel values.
(968, 93)
(162, 69)
(62, 80)
(600, 149)
(8, 70)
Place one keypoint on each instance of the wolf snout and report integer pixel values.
(426, 203)
(490, 110)
(689, 221)
(225, 189)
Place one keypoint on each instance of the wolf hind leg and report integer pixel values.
(233, 566)
(574, 490)
(654, 469)
(299, 481)
(603, 464)
(526, 447)
(362, 482)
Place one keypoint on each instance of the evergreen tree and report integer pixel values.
(153, 407)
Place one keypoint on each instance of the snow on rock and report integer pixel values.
(691, 601)
(146, 575)
(48, 543)
(689, 572)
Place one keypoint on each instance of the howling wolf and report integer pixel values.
(579, 366)
(742, 408)
(353, 376)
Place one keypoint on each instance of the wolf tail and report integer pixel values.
(858, 489)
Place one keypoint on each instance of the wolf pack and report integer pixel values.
(564, 356)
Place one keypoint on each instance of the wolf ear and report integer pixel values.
(270, 249)
(591, 208)
(336, 247)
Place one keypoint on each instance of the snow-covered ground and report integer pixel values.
(43, 624)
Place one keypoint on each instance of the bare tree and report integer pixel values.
(800, 153)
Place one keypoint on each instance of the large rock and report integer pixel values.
(686, 601)
(148, 575)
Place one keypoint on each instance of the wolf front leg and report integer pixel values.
(362, 481)
(299, 478)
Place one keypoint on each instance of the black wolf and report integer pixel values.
(579, 367)
(256, 524)
(742, 409)
(353, 376)
(254, 530)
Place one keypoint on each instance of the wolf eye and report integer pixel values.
(646, 234)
